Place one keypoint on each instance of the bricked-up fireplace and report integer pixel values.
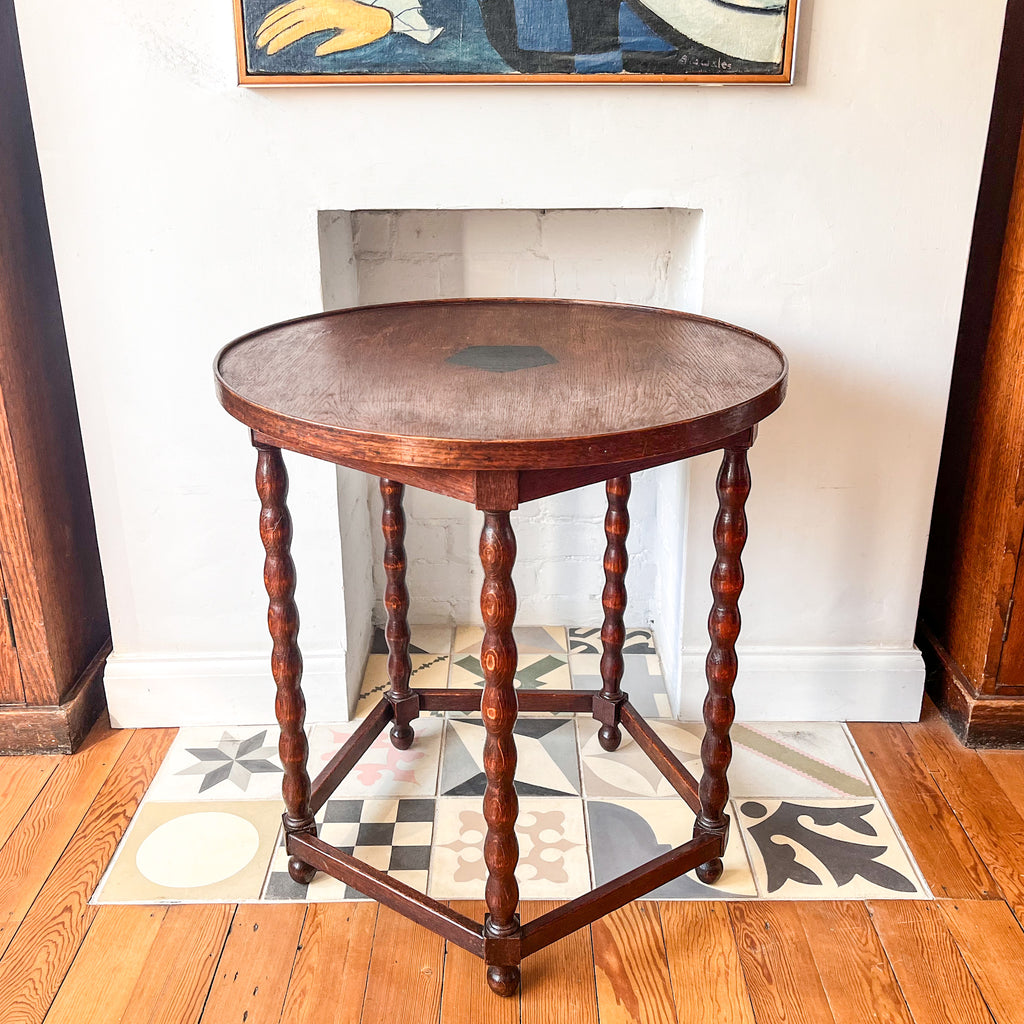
(647, 256)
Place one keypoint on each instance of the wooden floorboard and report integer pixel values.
(328, 979)
(558, 981)
(21, 780)
(988, 816)
(781, 975)
(1007, 768)
(748, 962)
(43, 833)
(949, 862)
(933, 977)
(45, 943)
(633, 984)
(403, 983)
(175, 980)
(704, 964)
(113, 954)
(991, 942)
(255, 965)
(855, 974)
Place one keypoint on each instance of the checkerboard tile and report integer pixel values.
(390, 835)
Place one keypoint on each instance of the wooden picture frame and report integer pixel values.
(312, 42)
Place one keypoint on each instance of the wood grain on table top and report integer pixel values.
(385, 371)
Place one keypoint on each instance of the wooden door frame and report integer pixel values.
(967, 693)
(48, 543)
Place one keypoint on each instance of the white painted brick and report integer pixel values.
(425, 505)
(489, 232)
(615, 234)
(426, 542)
(510, 275)
(373, 232)
(429, 231)
(398, 281)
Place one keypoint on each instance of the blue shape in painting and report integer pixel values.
(607, 63)
(635, 34)
(543, 25)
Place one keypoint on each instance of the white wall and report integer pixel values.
(837, 215)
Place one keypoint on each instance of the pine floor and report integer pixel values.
(959, 958)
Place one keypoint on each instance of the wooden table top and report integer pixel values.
(500, 383)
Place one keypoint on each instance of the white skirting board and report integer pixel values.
(839, 684)
(170, 690)
(773, 685)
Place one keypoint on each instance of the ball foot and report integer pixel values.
(711, 871)
(504, 981)
(300, 871)
(609, 737)
(402, 737)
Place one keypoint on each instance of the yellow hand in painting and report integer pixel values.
(356, 24)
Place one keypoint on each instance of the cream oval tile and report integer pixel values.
(223, 845)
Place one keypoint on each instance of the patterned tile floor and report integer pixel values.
(808, 822)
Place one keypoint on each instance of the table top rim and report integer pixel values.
(404, 448)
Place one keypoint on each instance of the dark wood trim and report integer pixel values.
(47, 532)
(404, 705)
(608, 707)
(988, 720)
(286, 659)
(466, 484)
(529, 700)
(980, 286)
(60, 728)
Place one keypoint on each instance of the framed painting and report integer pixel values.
(305, 42)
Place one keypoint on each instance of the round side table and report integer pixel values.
(497, 402)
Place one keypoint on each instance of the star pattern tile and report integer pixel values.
(236, 759)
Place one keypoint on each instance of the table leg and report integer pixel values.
(286, 661)
(396, 601)
(723, 628)
(613, 600)
(499, 706)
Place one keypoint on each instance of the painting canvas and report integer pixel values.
(307, 41)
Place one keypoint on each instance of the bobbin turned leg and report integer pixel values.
(396, 601)
(286, 661)
(499, 707)
(723, 628)
(613, 599)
